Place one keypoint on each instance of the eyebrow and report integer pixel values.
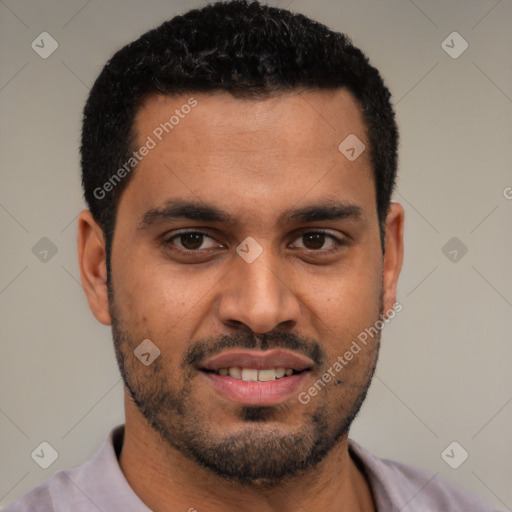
(174, 209)
(180, 209)
(332, 210)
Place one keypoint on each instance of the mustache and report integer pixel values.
(198, 352)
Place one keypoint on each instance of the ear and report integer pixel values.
(393, 255)
(93, 266)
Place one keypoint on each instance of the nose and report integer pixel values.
(259, 296)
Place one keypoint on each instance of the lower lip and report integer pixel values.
(256, 393)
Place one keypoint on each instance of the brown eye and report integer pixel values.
(316, 240)
(313, 240)
(191, 241)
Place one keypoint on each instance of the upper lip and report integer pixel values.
(257, 359)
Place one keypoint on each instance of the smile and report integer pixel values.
(255, 375)
(257, 378)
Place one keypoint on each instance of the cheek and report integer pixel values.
(344, 306)
(351, 295)
(153, 296)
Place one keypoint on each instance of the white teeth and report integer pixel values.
(280, 373)
(254, 375)
(266, 375)
(235, 372)
(249, 374)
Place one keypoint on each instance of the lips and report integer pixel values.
(257, 378)
(259, 360)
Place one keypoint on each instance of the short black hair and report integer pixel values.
(241, 47)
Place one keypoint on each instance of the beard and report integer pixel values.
(264, 450)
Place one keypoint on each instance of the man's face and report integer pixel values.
(179, 281)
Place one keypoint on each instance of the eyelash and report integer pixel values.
(168, 242)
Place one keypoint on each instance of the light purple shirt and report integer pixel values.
(100, 486)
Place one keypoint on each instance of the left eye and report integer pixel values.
(314, 240)
(191, 241)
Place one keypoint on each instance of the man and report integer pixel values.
(238, 162)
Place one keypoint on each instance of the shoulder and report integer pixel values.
(397, 486)
(65, 491)
(39, 499)
(98, 484)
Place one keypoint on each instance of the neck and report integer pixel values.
(167, 481)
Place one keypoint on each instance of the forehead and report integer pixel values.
(250, 153)
(304, 120)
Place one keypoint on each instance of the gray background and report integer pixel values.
(444, 372)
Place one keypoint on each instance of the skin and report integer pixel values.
(255, 159)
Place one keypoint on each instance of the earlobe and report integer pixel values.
(393, 255)
(92, 264)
